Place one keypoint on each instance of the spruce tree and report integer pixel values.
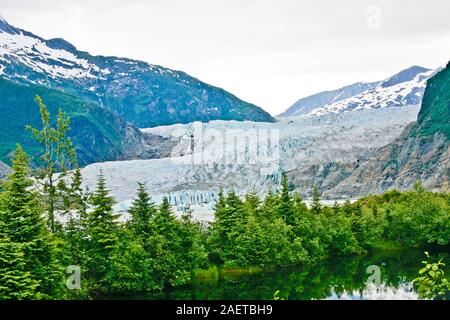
(171, 248)
(236, 216)
(233, 224)
(269, 207)
(142, 212)
(300, 207)
(75, 229)
(165, 220)
(219, 209)
(285, 206)
(316, 205)
(21, 223)
(252, 203)
(336, 208)
(102, 230)
(16, 283)
(19, 206)
(218, 235)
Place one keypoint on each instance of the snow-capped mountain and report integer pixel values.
(308, 104)
(402, 89)
(143, 94)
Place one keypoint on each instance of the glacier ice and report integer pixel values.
(303, 141)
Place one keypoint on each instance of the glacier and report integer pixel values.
(192, 176)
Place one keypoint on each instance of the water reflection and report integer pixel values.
(337, 279)
(405, 291)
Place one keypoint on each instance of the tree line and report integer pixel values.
(155, 250)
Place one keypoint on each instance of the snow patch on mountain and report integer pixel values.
(405, 88)
(145, 95)
(308, 104)
(33, 52)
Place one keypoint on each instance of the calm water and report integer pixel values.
(337, 279)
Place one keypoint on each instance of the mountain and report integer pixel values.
(144, 94)
(98, 134)
(421, 153)
(402, 89)
(308, 104)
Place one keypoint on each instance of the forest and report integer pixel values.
(50, 225)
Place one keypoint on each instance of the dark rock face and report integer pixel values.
(399, 165)
(323, 177)
(422, 153)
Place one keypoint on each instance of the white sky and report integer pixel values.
(270, 53)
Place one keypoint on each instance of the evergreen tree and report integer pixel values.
(58, 157)
(22, 224)
(135, 258)
(221, 202)
(174, 248)
(300, 208)
(15, 281)
(316, 205)
(285, 206)
(236, 216)
(142, 214)
(102, 230)
(75, 231)
(336, 208)
(219, 233)
(19, 206)
(346, 208)
(165, 220)
(252, 203)
(269, 207)
(79, 197)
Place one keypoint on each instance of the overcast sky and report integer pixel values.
(270, 53)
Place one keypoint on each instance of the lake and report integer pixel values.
(335, 279)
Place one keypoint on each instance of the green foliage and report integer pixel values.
(285, 206)
(102, 230)
(276, 296)
(27, 243)
(156, 250)
(55, 161)
(435, 111)
(283, 231)
(101, 134)
(142, 213)
(432, 282)
(412, 219)
(316, 206)
(15, 281)
(252, 233)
